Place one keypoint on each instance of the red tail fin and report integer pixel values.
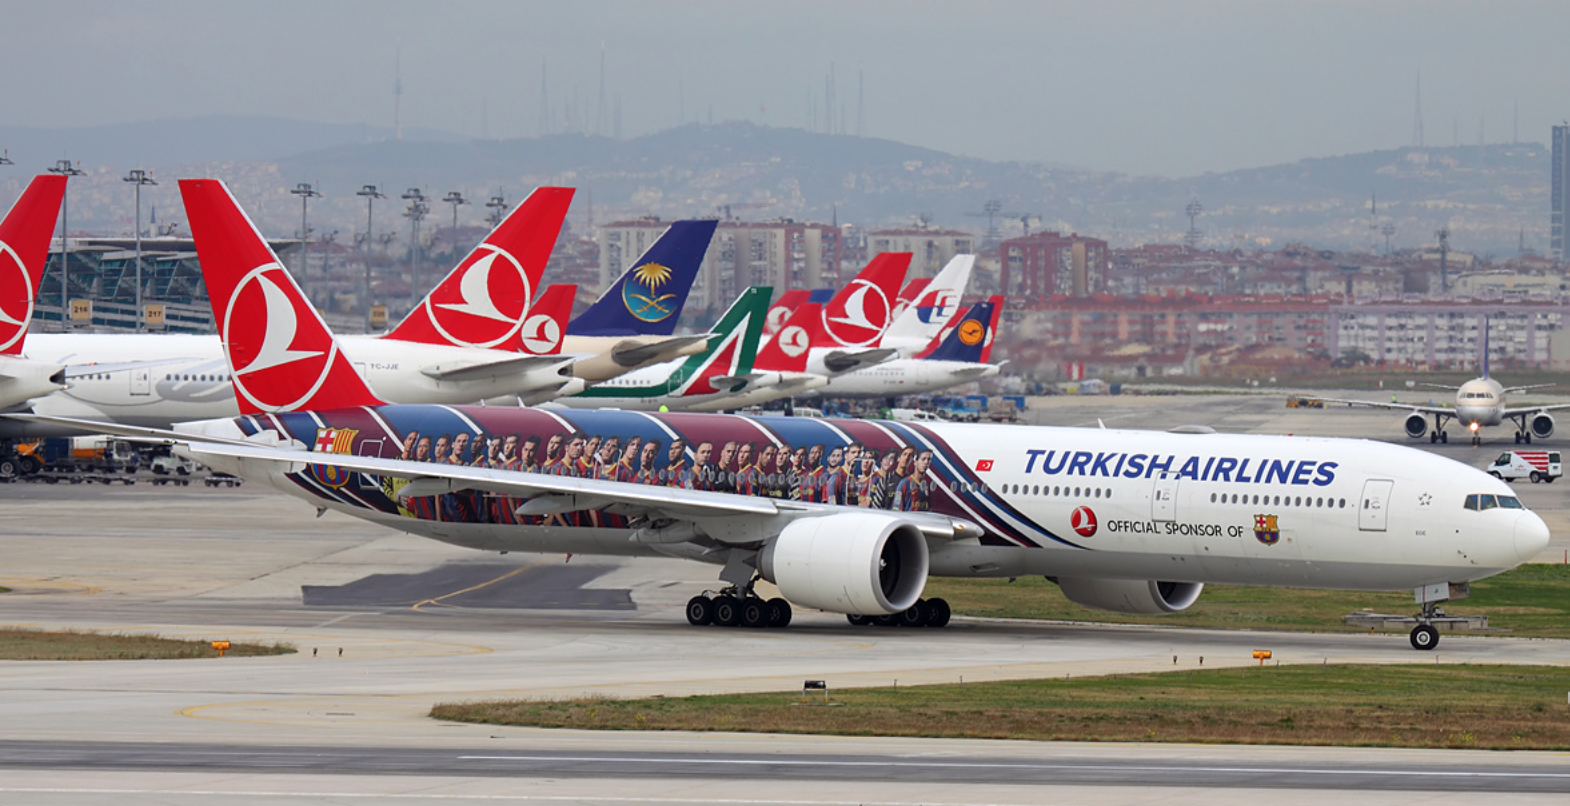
(782, 309)
(484, 301)
(787, 351)
(282, 354)
(863, 309)
(992, 327)
(24, 248)
(548, 317)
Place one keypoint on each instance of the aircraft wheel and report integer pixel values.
(1433, 437)
(8, 469)
(1518, 437)
(858, 620)
(938, 613)
(915, 615)
(754, 613)
(779, 613)
(1526, 436)
(1425, 637)
(891, 620)
(1444, 437)
(727, 611)
(700, 611)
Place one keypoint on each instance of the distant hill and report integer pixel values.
(1489, 196)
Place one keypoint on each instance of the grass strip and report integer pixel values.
(23, 644)
(1456, 706)
(1532, 600)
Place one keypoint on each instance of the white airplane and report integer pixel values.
(1479, 402)
(956, 360)
(158, 379)
(931, 311)
(24, 247)
(853, 516)
(780, 370)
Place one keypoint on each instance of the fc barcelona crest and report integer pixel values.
(1266, 530)
(333, 440)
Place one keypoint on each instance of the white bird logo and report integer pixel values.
(856, 315)
(278, 337)
(474, 289)
(794, 341)
(11, 262)
(541, 334)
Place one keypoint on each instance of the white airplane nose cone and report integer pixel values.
(1531, 535)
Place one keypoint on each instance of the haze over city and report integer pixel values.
(1173, 89)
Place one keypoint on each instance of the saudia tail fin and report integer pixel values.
(862, 310)
(483, 302)
(24, 248)
(733, 346)
(934, 305)
(787, 351)
(547, 321)
(648, 299)
(969, 337)
(281, 353)
(782, 308)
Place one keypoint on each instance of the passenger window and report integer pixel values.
(1036, 490)
(1510, 502)
(1488, 502)
(1212, 498)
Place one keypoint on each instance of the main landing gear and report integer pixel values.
(924, 613)
(738, 607)
(1424, 636)
(1438, 435)
(1523, 436)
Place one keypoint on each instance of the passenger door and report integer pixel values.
(1373, 509)
(1163, 498)
(141, 381)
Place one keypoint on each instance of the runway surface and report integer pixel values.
(390, 624)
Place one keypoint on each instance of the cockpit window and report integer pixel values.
(1510, 502)
(1489, 502)
(1471, 502)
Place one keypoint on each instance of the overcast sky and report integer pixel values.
(1173, 88)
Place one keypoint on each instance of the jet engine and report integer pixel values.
(1144, 597)
(854, 563)
(22, 380)
(1542, 425)
(1416, 426)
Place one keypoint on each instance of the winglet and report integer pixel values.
(24, 248)
(484, 300)
(969, 337)
(787, 351)
(547, 322)
(863, 309)
(648, 299)
(281, 353)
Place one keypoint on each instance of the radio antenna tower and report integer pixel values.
(398, 93)
(599, 114)
(1417, 114)
(1192, 237)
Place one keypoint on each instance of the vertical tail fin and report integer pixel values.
(782, 308)
(934, 304)
(787, 351)
(280, 351)
(542, 331)
(968, 338)
(484, 300)
(24, 248)
(733, 346)
(862, 310)
(908, 294)
(943, 335)
(996, 301)
(648, 299)
(1485, 347)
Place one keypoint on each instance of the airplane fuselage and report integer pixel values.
(1480, 401)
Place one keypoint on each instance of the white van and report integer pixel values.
(1535, 465)
(913, 416)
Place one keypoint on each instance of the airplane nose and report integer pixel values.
(1531, 535)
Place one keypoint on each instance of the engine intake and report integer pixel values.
(1416, 427)
(855, 563)
(1138, 596)
(1542, 425)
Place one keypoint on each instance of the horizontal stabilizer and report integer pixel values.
(492, 369)
(842, 362)
(633, 354)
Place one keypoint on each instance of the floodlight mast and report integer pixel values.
(371, 194)
(306, 192)
(138, 178)
(415, 213)
(67, 169)
(455, 199)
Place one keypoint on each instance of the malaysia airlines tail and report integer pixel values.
(24, 248)
(968, 340)
(484, 301)
(859, 314)
(285, 359)
(648, 299)
(932, 308)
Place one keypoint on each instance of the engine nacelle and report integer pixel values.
(1144, 597)
(1416, 426)
(22, 380)
(1542, 425)
(856, 563)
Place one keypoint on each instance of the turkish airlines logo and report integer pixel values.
(1083, 521)
(936, 305)
(488, 303)
(794, 341)
(541, 334)
(271, 369)
(776, 318)
(862, 318)
(16, 294)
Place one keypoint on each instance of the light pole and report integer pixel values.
(371, 194)
(306, 193)
(5, 157)
(498, 207)
(455, 199)
(138, 178)
(67, 169)
(415, 213)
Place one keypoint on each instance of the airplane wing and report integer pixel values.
(493, 369)
(1376, 404)
(632, 354)
(1513, 389)
(841, 361)
(1519, 410)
